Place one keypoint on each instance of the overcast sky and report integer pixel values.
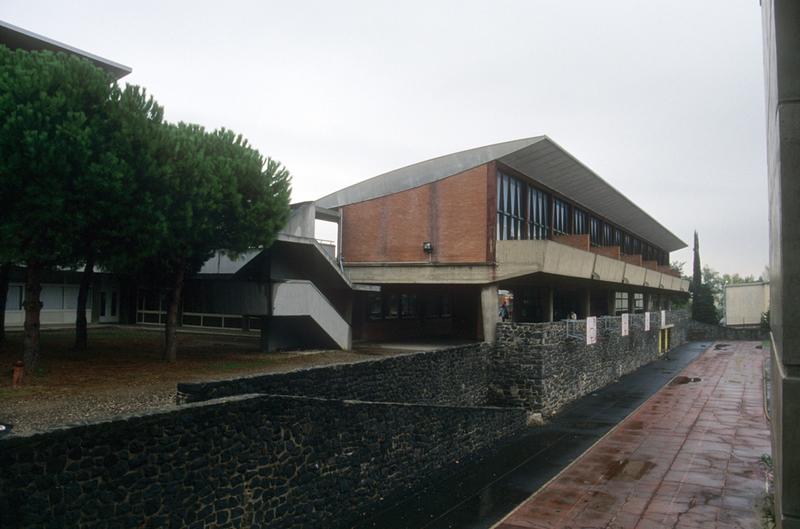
(663, 99)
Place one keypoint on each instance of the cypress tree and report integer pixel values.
(703, 308)
(697, 271)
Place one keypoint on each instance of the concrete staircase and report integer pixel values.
(297, 301)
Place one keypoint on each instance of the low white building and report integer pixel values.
(745, 303)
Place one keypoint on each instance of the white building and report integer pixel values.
(745, 303)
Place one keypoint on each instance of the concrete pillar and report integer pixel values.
(585, 304)
(782, 45)
(265, 345)
(548, 304)
(489, 309)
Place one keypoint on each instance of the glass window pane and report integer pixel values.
(52, 297)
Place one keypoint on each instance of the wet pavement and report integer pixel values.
(483, 492)
(688, 458)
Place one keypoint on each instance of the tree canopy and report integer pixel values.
(91, 174)
(53, 115)
(219, 194)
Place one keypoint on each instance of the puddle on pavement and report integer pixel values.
(683, 380)
(627, 470)
(600, 501)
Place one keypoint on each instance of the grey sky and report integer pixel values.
(664, 99)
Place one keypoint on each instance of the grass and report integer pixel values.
(765, 505)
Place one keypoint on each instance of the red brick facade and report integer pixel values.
(633, 259)
(580, 241)
(608, 251)
(452, 214)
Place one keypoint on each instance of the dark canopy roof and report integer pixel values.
(17, 38)
(541, 159)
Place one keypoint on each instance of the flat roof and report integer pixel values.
(18, 38)
(538, 157)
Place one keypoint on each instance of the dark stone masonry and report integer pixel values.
(248, 461)
(321, 447)
(455, 375)
(544, 366)
(699, 331)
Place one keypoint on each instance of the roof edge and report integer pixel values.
(117, 70)
(329, 200)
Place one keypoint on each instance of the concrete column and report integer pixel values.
(548, 304)
(585, 304)
(265, 334)
(489, 309)
(781, 45)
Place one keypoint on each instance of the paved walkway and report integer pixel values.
(689, 457)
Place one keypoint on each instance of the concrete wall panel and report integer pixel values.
(609, 269)
(634, 275)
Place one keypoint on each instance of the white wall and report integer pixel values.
(744, 303)
(58, 304)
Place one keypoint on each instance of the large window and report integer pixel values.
(408, 306)
(638, 302)
(579, 222)
(509, 207)
(391, 311)
(14, 297)
(595, 236)
(560, 217)
(375, 306)
(538, 214)
(620, 303)
(608, 238)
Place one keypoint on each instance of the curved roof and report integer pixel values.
(538, 157)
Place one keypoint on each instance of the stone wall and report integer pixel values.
(698, 331)
(544, 366)
(260, 461)
(452, 376)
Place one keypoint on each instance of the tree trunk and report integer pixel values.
(33, 309)
(171, 328)
(81, 332)
(5, 271)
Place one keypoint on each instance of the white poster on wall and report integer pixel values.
(646, 321)
(626, 324)
(591, 330)
(663, 319)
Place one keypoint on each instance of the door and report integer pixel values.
(109, 305)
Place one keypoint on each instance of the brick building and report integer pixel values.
(442, 237)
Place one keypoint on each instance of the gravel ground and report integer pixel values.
(38, 414)
(122, 373)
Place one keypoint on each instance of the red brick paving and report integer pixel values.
(689, 457)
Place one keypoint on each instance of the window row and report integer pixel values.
(622, 302)
(526, 212)
(391, 306)
(53, 297)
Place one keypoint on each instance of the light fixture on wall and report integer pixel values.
(427, 247)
